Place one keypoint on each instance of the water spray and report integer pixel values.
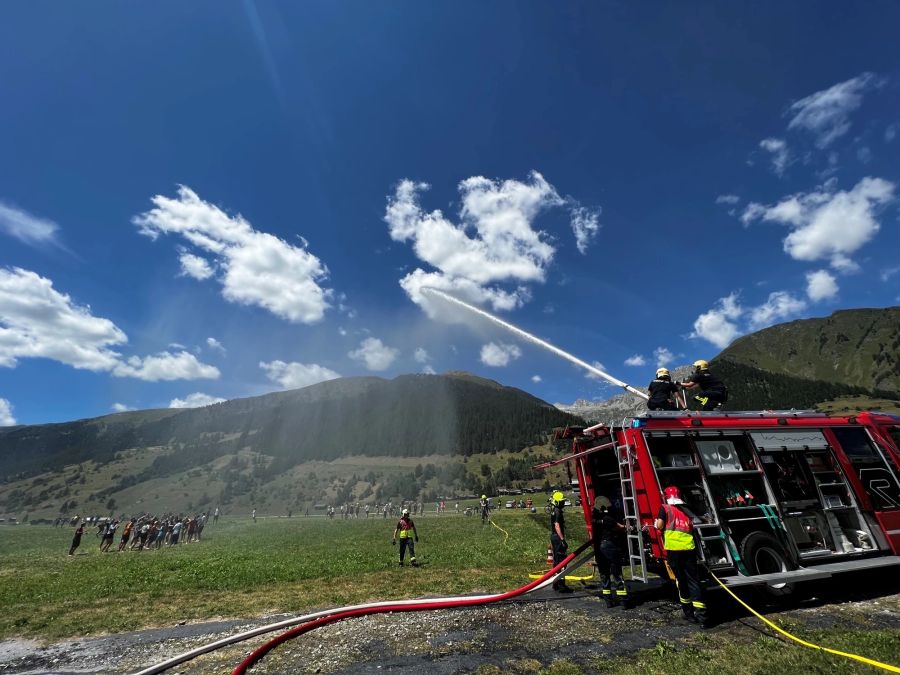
(538, 341)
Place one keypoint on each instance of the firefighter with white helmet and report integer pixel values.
(662, 391)
(713, 391)
(676, 523)
(406, 531)
(558, 544)
(485, 509)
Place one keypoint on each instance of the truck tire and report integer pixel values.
(763, 554)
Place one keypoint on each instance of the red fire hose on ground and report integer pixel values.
(310, 622)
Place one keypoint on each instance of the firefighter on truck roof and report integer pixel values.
(676, 523)
(713, 391)
(662, 390)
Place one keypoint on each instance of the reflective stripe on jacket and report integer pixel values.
(679, 532)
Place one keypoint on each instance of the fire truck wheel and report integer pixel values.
(763, 554)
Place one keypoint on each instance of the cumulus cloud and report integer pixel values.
(374, 354)
(493, 243)
(636, 360)
(421, 356)
(26, 227)
(825, 223)
(195, 400)
(121, 407)
(731, 200)
(37, 321)
(212, 343)
(536, 378)
(194, 266)
(295, 375)
(779, 306)
(663, 356)
(255, 268)
(166, 366)
(820, 285)
(599, 366)
(6, 414)
(779, 154)
(428, 370)
(826, 114)
(499, 354)
(718, 324)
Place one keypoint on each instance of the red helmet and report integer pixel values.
(672, 492)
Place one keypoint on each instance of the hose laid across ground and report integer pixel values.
(445, 603)
(545, 580)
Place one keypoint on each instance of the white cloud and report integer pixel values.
(26, 227)
(718, 324)
(212, 343)
(890, 133)
(779, 306)
(636, 360)
(585, 225)
(536, 378)
(493, 243)
(599, 366)
(195, 400)
(166, 366)
(727, 199)
(121, 407)
(374, 354)
(256, 268)
(820, 285)
(297, 375)
(428, 370)
(864, 154)
(826, 114)
(421, 356)
(778, 150)
(499, 354)
(194, 266)
(828, 224)
(6, 414)
(888, 272)
(36, 321)
(663, 356)
(342, 331)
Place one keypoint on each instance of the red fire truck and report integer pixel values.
(781, 496)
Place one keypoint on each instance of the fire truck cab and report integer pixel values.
(778, 497)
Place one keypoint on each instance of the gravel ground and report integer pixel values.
(516, 636)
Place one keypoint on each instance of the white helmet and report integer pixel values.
(404, 512)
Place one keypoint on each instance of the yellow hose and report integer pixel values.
(855, 657)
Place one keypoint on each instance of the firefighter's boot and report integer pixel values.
(413, 562)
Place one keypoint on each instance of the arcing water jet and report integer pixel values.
(538, 341)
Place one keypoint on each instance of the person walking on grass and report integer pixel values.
(406, 531)
(76, 540)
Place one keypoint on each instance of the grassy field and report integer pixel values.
(243, 569)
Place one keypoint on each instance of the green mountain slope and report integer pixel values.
(858, 347)
(411, 415)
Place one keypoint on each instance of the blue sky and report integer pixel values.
(212, 200)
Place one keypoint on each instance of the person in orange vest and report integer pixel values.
(406, 530)
(676, 523)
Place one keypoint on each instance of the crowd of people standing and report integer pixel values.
(144, 532)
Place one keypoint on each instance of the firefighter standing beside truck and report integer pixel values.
(713, 391)
(606, 532)
(676, 523)
(558, 543)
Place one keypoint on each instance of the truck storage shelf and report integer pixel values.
(823, 571)
(676, 468)
(748, 472)
(741, 508)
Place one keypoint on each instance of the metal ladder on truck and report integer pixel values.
(634, 537)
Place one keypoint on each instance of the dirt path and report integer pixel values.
(517, 636)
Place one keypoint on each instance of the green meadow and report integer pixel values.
(244, 569)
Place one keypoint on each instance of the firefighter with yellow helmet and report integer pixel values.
(713, 391)
(662, 391)
(558, 544)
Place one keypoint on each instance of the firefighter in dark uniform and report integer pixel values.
(713, 391)
(662, 390)
(676, 523)
(607, 532)
(558, 538)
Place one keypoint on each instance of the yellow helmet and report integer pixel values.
(484, 496)
(558, 497)
(662, 372)
(700, 364)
